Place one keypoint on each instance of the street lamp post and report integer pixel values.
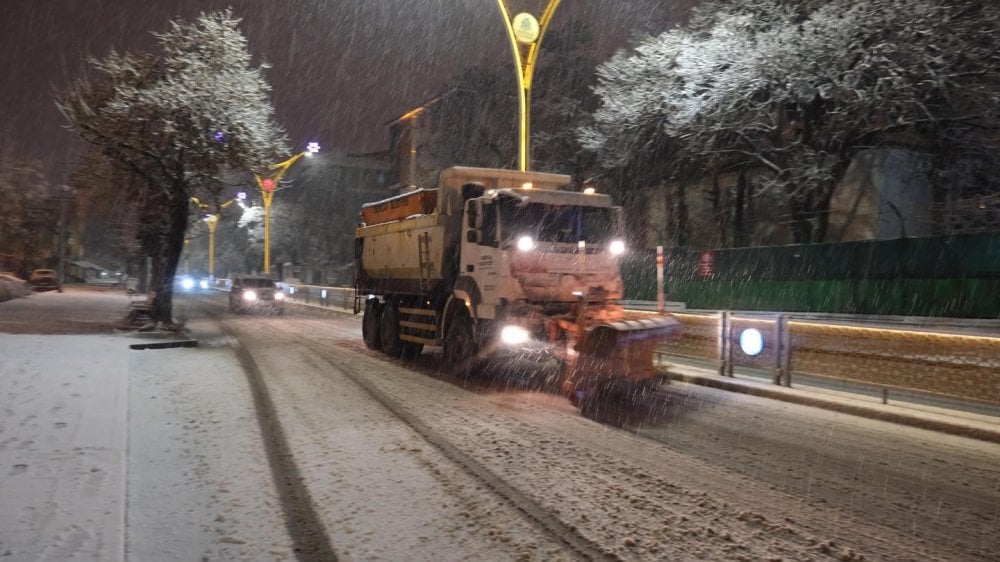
(212, 220)
(267, 187)
(525, 33)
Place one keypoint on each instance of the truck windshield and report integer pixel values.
(556, 223)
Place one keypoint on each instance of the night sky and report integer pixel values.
(340, 68)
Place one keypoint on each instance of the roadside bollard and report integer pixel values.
(322, 298)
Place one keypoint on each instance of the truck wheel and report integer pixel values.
(459, 346)
(389, 331)
(370, 325)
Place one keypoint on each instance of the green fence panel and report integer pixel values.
(955, 276)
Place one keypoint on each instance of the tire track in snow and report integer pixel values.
(311, 540)
(540, 517)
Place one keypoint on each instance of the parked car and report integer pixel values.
(251, 293)
(43, 280)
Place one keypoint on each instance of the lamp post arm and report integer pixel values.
(268, 195)
(525, 56)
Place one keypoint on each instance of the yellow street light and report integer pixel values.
(212, 220)
(525, 33)
(267, 187)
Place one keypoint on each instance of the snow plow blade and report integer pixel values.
(620, 351)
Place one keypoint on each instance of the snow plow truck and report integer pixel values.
(495, 262)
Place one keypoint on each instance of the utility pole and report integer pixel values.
(65, 194)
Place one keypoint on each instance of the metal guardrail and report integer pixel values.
(333, 297)
(947, 364)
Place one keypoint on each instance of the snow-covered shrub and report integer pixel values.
(12, 288)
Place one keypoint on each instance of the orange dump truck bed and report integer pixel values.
(418, 202)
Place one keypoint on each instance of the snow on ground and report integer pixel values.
(383, 492)
(108, 453)
(199, 485)
(62, 446)
(79, 310)
(638, 499)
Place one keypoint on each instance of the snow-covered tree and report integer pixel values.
(175, 119)
(786, 93)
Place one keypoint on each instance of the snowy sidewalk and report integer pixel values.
(108, 453)
(62, 447)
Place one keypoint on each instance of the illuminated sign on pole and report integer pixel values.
(706, 264)
(526, 28)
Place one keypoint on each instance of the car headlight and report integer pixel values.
(617, 247)
(203, 283)
(187, 283)
(279, 296)
(250, 296)
(514, 335)
(525, 244)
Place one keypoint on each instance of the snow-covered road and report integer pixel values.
(710, 475)
(284, 438)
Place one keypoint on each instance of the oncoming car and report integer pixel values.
(256, 293)
(190, 284)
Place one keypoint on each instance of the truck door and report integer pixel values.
(480, 261)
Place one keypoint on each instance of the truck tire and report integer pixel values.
(460, 346)
(411, 350)
(389, 331)
(370, 324)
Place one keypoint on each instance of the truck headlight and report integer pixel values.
(617, 247)
(525, 244)
(249, 296)
(514, 335)
(279, 296)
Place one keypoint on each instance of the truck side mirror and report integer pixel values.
(470, 215)
(618, 220)
(474, 214)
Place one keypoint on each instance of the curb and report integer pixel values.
(952, 428)
(165, 344)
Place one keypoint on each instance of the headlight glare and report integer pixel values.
(514, 335)
(279, 296)
(249, 296)
(525, 244)
(187, 283)
(617, 247)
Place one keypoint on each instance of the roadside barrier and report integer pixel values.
(924, 360)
